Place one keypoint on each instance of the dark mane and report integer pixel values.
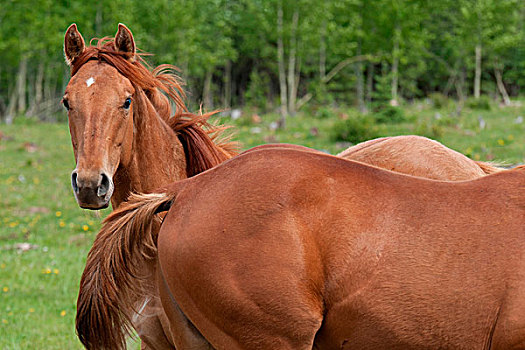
(205, 145)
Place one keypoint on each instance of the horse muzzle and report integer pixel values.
(92, 190)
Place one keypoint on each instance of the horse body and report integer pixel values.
(341, 255)
(334, 254)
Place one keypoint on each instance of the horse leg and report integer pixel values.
(150, 321)
(277, 312)
(182, 331)
(152, 326)
(291, 328)
(509, 330)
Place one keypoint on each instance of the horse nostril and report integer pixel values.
(74, 183)
(104, 185)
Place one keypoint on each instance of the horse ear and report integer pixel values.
(74, 44)
(124, 41)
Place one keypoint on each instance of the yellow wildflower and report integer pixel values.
(85, 227)
(55, 271)
(10, 313)
(31, 310)
(2, 266)
(501, 142)
(4, 321)
(61, 223)
(5, 289)
(36, 180)
(46, 271)
(63, 313)
(510, 137)
(58, 214)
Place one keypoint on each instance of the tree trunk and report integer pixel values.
(206, 92)
(39, 84)
(98, 19)
(50, 84)
(460, 84)
(369, 83)
(227, 100)
(450, 83)
(280, 61)
(360, 93)
(183, 65)
(395, 65)
(21, 86)
(477, 75)
(293, 93)
(322, 52)
(11, 106)
(3, 106)
(292, 89)
(501, 87)
(38, 89)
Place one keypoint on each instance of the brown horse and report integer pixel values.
(418, 156)
(334, 254)
(124, 139)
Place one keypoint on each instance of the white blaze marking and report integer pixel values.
(90, 82)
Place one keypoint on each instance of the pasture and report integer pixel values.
(44, 236)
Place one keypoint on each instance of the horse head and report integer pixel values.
(99, 102)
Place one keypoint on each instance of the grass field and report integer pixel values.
(39, 280)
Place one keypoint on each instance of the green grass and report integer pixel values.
(38, 288)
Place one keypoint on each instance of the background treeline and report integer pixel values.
(278, 55)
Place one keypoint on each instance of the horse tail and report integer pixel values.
(112, 282)
(489, 168)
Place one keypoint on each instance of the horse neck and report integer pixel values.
(157, 156)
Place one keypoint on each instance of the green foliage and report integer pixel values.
(322, 94)
(382, 93)
(325, 113)
(481, 103)
(432, 44)
(439, 100)
(390, 114)
(256, 93)
(357, 128)
(429, 128)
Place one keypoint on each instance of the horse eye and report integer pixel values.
(127, 103)
(65, 103)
